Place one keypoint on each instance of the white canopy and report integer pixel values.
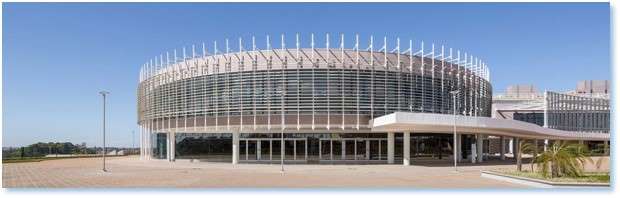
(443, 123)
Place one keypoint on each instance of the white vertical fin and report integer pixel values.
(398, 53)
(175, 56)
(227, 47)
(282, 44)
(193, 51)
(297, 46)
(215, 51)
(204, 50)
(253, 43)
(240, 44)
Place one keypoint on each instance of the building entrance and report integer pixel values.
(270, 149)
(352, 149)
(312, 149)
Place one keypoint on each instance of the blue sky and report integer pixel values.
(57, 57)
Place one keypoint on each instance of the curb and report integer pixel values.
(540, 183)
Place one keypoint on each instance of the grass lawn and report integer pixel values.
(22, 160)
(593, 177)
(38, 159)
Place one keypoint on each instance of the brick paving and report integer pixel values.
(132, 172)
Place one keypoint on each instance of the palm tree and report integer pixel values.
(523, 148)
(563, 159)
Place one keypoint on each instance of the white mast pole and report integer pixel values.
(398, 53)
(342, 77)
(227, 48)
(312, 62)
(204, 50)
(253, 43)
(399, 71)
(215, 48)
(328, 54)
(193, 51)
(385, 53)
(458, 74)
(357, 63)
(411, 74)
(161, 61)
(422, 73)
(443, 72)
(297, 46)
(175, 56)
(298, 80)
(268, 43)
(282, 44)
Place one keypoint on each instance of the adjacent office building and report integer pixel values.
(583, 110)
(385, 103)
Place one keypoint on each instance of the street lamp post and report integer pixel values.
(454, 143)
(282, 151)
(133, 142)
(104, 93)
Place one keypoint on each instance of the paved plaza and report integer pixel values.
(132, 172)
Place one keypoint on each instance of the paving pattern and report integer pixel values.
(133, 172)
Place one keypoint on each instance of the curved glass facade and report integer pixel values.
(201, 96)
(322, 100)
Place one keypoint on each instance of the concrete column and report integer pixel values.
(502, 148)
(515, 148)
(258, 152)
(343, 148)
(473, 153)
(459, 152)
(546, 145)
(168, 147)
(406, 146)
(173, 146)
(367, 149)
(331, 149)
(379, 150)
(141, 144)
(149, 145)
(355, 150)
(511, 146)
(479, 143)
(282, 150)
(235, 149)
(390, 153)
(147, 142)
(320, 149)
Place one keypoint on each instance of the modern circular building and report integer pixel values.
(305, 104)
